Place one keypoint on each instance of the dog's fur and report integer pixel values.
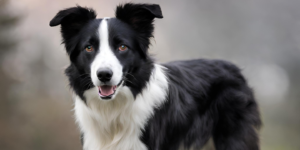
(149, 106)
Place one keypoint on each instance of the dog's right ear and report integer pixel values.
(72, 20)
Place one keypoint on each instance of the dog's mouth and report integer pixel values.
(107, 91)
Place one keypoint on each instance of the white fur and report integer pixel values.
(117, 124)
(105, 58)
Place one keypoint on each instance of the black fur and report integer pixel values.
(207, 98)
(76, 23)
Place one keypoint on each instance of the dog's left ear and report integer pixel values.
(140, 17)
(138, 14)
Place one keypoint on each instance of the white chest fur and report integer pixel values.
(117, 124)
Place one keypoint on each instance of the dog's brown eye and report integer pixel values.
(123, 48)
(89, 48)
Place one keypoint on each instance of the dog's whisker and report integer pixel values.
(131, 75)
(127, 80)
(83, 75)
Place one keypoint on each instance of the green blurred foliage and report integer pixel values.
(34, 122)
(6, 45)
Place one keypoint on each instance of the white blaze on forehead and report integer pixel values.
(105, 58)
(103, 33)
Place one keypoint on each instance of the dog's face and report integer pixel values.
(107, 53)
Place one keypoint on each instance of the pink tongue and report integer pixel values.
(106, 90)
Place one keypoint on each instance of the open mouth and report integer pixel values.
(107, 91)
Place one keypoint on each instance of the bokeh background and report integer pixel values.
(261, 36)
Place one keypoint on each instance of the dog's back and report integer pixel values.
(207, 98)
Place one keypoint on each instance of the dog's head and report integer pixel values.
(109, 53)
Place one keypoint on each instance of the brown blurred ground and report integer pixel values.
(261, 36)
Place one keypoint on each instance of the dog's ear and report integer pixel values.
(72, 20)
(140, 17)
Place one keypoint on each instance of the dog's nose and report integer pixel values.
(104, 75)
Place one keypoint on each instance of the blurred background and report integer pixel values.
(261, 36)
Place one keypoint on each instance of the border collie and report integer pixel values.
(126, 101)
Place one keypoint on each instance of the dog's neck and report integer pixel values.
(117, 124)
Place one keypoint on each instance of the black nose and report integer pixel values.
(104, 75)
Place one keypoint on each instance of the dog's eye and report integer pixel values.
(123, 48)
(89, 48)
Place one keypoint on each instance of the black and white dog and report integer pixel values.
(125, 101)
